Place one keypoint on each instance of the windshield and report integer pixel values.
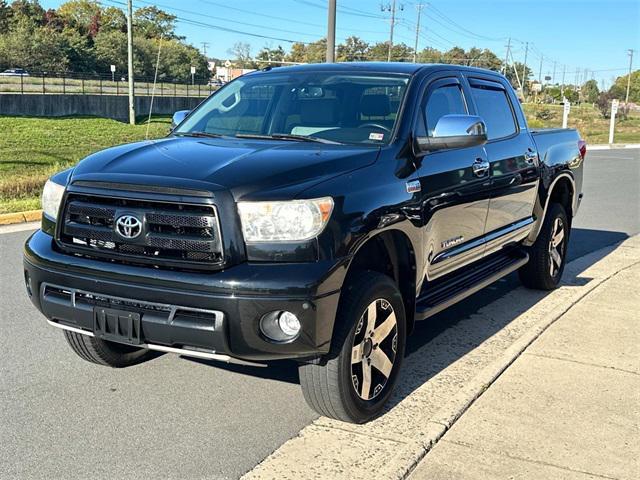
(336, 107)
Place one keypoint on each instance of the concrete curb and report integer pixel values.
(20, 217)
(407, 452)
(614, 146)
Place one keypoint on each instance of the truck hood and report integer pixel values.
(252, 169)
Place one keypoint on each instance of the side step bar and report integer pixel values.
(442, 294)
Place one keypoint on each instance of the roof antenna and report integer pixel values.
(153, 90)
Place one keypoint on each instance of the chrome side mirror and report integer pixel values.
(454, 131)
(178, 117)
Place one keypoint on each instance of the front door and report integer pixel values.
(455, 195)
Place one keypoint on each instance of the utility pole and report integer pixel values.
(626, 99)
(391, 8)
(204, 48)
(524, 70)
(419, 6)
(564, 72)
(553, 77)
(132, 108)
(331, 32)
(506, 57)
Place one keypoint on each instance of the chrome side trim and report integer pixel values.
(150, 346)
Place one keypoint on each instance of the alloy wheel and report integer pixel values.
(556, 247)
(373, 354)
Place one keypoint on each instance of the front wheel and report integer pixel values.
(102, 352)
(369, 342)
(547, 256)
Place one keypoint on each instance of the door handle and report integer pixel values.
(530, 156)
(480, 167)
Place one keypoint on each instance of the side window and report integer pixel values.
(443, 101)
(494, 108)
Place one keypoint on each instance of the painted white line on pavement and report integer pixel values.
(19, 227)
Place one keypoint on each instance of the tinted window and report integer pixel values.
(345, 108)
(493, 107)
(443, 101)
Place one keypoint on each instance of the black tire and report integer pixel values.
(332, 386)
(537, 273)
(105, 353)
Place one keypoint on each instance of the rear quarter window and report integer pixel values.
(494, 108)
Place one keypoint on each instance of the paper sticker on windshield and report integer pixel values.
(376, 136)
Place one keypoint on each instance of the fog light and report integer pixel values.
(280, 326)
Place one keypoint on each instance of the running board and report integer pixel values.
(442, 294)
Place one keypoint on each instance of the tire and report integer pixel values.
(335, 386)
(544, 269)
(106, 353)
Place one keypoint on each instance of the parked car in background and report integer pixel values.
(314, 213)
(14, 72)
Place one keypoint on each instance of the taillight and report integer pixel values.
(582, 147)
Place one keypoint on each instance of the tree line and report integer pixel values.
(81, 36)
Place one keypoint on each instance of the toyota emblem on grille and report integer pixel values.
(128, 226)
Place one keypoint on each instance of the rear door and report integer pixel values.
(513, 159)
(455, 199)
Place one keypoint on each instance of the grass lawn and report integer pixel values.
(32, 149)
(593, 127)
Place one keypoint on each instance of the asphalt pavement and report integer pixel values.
(61, 417)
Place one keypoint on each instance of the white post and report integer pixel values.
(565, 113)
(614, 110)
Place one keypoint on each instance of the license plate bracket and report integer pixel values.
(117, 325)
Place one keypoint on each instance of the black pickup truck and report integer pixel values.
(314, 213)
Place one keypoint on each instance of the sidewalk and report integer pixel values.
(568, 407)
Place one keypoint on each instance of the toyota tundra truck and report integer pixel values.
(311, 212)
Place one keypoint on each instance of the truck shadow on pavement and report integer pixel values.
(426, 354)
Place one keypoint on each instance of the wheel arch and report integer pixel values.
(562, 190)
(391, 253)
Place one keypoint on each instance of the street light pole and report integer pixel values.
(132, 108)
(331, 33)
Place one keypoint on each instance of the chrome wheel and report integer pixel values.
(373, 354)
(556, 247)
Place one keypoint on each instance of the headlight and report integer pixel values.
(51, 198)
(290, 221)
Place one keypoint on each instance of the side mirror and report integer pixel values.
(454, 131)
(178, 117)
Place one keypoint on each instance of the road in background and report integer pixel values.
(61, 417)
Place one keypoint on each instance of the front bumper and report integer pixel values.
(215, 314)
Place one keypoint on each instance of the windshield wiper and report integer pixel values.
(287, 136)
(199, 134)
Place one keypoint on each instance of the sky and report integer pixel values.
(579, 34)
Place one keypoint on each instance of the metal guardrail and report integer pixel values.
(92, 84)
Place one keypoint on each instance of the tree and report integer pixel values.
(619, 88)
(155, 23)
(80, 14)
(32, 47)
(297, 54)
(5, 16)
(590, 91)
(604, 103)
(429, 55)
(399, 52)
(113, 18)
(316, 52)
(29, 10)
(353, 49)
(271, 56)
(241, 52)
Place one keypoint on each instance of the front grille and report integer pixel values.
(172, 234)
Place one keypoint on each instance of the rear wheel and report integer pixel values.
(359, 375)
(106, 353)
(548, 254)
